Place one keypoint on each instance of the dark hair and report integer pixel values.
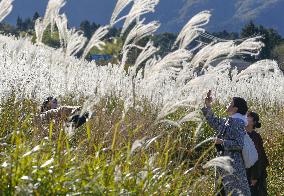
(43, 107)
(241, 104)
(255, 117)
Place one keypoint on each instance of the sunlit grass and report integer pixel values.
(112, 154)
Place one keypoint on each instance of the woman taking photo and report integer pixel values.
(230, 140)
(257, 173)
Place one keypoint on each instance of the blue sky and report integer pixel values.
(76, 10)
(229, 15)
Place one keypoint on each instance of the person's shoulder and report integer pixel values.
(256, 134)
(236, 122)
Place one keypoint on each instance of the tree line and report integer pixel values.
(273, 49)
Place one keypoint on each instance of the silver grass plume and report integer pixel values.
(171, 107)
(192, 29)
(137, 144)
(120, 6)
(50, 16)
(198, 131)
(71, 40)
(201, 82)
(211, 51)
(172, 63)
(210, 139)
(75, 42)
(170, 122)
(228, 49)
(139, 8)
(192, 116)
(52, 11)
(5, 8)
(138, 32)
(95, 40)
(223, 162)
(61, 23)
(250, 46)
(40, 27)
(264, 68)
(146, 53)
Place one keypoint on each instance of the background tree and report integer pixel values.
(8, 29)
(165, 41)
(19, 23)
(85, 26)
(226, 35)
(278, 55)
(36, 16)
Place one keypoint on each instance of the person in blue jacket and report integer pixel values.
(230, 141)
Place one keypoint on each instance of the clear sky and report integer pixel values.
(229, 15)
(76, 10)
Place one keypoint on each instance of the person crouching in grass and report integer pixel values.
(59, 117)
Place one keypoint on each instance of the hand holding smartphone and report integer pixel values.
(208, 99)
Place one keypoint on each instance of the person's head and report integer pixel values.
(48, 104)
(238, 105)
(253, 120)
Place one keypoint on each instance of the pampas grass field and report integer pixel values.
(147, 135)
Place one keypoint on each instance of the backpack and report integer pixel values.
(249, 152)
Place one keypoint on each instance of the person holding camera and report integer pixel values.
(229, 142)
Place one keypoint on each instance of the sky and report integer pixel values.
(229, 15)
(76, 10)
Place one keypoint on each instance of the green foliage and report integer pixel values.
(88, 28)
(112, 47)
(51, 39)
(226, 35)
(24, 25)
(100, 159)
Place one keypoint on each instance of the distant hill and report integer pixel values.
(228, 15)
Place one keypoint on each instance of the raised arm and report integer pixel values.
(229, 127)
(218, 124)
